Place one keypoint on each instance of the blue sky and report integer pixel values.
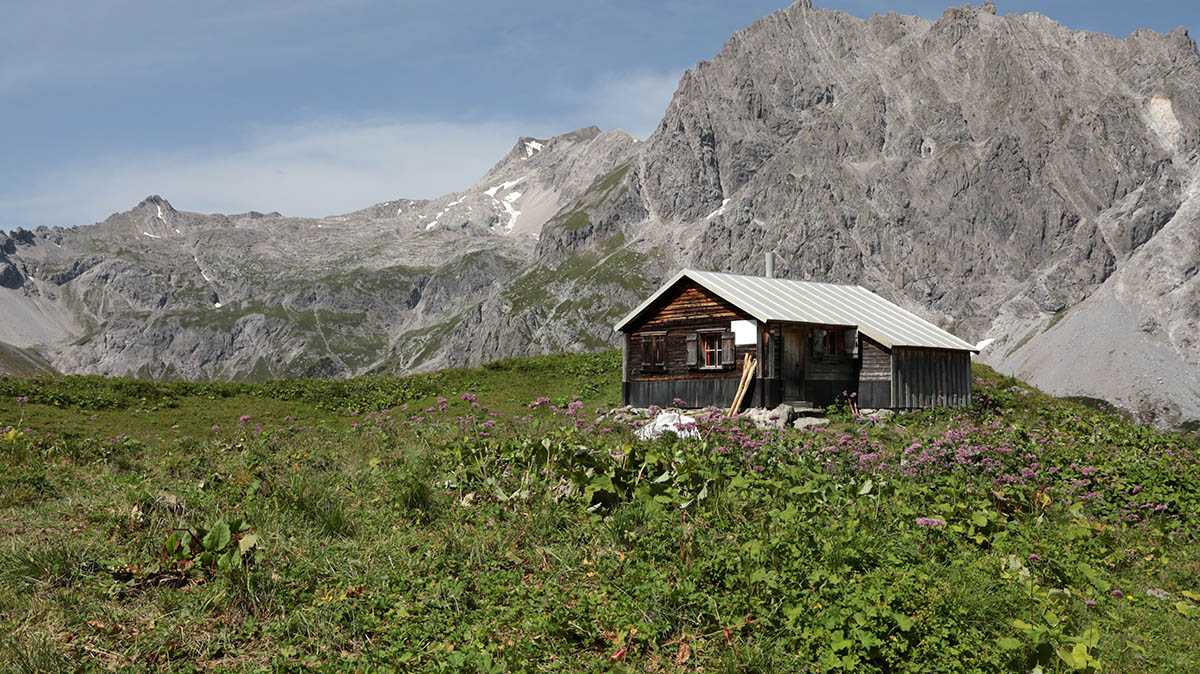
(315, 107)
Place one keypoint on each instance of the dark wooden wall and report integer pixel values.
(874, 374)
(930, 378)
(827, 376)
(695, 393)
(683, 311)
(687, 304)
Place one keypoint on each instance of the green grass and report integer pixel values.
(397, 532)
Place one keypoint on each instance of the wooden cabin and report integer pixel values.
(813, 341)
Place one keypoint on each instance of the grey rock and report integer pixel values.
(158, 292)
(989, 173)
(10, 276)
(778, 417)
(804, 423)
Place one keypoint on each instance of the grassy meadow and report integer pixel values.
(496, 520)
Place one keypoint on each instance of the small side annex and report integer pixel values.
(813, 341)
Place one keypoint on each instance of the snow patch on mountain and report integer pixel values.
(503, 186)
(719, 211)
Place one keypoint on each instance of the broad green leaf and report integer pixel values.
(903, 622)
(979, 519)
(1081, 656)
(248, 541)
(218, 538)
(1009, 643)
(1090, 637)
(866, 488)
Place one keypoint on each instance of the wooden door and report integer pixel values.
(793, 364)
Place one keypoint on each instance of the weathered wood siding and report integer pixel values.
(827, 376)
(769, 385)
(930, 378)
(684, 311)
(676, 357)
(694, 392)
(688, 304)
(874, 374)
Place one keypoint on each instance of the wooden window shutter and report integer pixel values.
(693, 350)
(647, 353)
(727, 349)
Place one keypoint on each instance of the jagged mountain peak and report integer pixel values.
(155, 201)
(988, 172)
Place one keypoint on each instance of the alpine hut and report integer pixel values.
(813, 342)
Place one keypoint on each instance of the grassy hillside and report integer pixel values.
(484, 521)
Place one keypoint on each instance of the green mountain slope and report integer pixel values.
(485, 520)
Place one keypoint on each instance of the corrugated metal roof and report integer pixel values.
(776, 299)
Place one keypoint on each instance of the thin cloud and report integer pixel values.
(303, 170)
(323, 168)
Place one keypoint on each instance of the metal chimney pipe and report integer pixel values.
(770, 265)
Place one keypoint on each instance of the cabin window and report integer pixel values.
(654, 352)
(834, 343)
(829, 343)
(710, 347)
(710, 350)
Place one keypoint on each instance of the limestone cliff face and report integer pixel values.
(991, 173)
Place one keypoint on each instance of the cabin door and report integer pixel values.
(793, 364)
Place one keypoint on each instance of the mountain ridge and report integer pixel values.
(1004, 177)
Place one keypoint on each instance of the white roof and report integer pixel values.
(776, 299)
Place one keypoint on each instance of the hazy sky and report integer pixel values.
(315, 107)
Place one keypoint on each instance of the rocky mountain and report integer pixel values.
(156, 292)
(1003, 176)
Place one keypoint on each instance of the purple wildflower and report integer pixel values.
(930, 522)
